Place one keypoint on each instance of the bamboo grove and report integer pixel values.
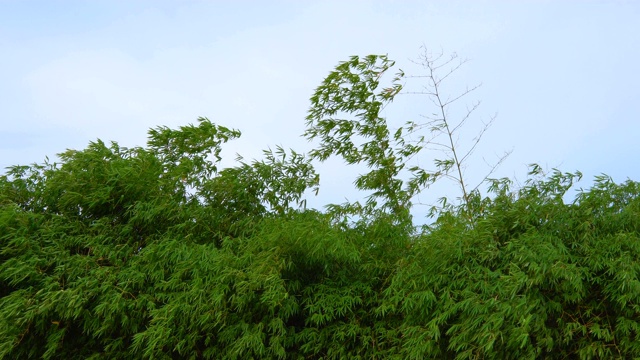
(156, 252)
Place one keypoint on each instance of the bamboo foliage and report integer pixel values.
(157, 253)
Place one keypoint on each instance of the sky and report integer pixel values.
(561, 77)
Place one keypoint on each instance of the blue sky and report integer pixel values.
(562, 76)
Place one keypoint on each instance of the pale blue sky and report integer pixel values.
(561, 75)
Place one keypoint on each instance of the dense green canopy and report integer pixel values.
(155, 252)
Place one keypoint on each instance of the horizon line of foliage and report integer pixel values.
(156, 253)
